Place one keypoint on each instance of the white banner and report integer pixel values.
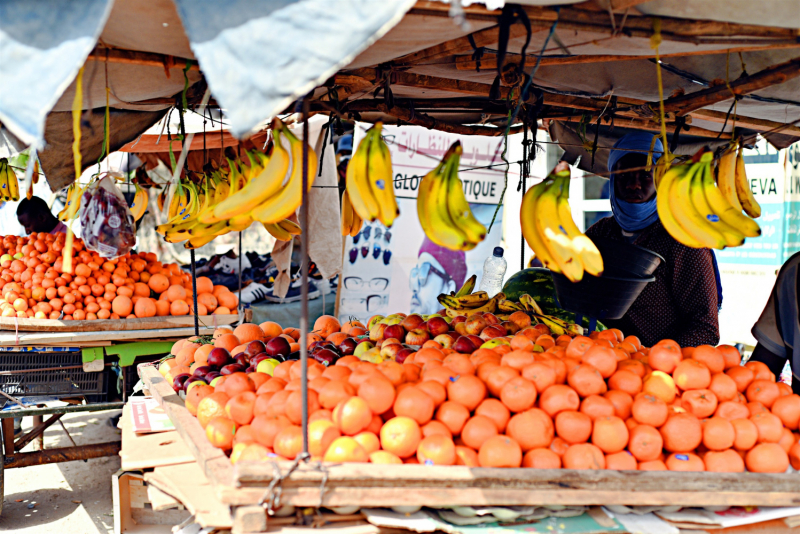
(398, 269)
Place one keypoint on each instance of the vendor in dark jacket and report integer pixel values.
(683, 302)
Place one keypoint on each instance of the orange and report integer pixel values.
(794, 455)
(248, 332)
(517, 359)
(179, 307)
(294, 405)
(368, 440)
(289, 442)
(264, 428)
(645, 443)
(760, 370)
(435, 427)
(625, 380)
(700, 402)
(769, 427)
(518, 394)
(378, 392)
(500, 451)
(220, 432)
(685, 461)
(558, 398)
(787, 408)
(466, 456)
(239, 407)
(321, 434)
(401, 436)
(454, 416)
(682, 433)
(711, 357)
(691, 374)
(195, 395)
(730, 355)
(542, 375)
(158, 283)
(653, 465)
(121, 305)
(584, 456)
(767, 458)
(718, 434)
(345, 449)
(335, 392)
(764, 391)
(144, 307)
(436, 450)
(477, 430)
(745, 434)
(596, 406)
(649, 410)
(467, 390)
(665, 356)
(586, 380)
(621, 401)
(732, 410)
(227, 341)
(352, 416)
(743, 376)
(573, 427)
(578, 346)
(384, 457)
(727, 461)
(724, 387)
(541, 459)
(497, 378)
(211, 406)
(610, 434)
(413, 402)
(532, 429)
(496, 411)
(787, 439)
(602, 359)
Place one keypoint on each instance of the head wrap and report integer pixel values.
(454, 262)
(633, 217)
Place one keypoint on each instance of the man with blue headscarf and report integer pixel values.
(683, 303)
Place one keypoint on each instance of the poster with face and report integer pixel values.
(398, 269)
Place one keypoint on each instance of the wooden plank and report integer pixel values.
(651, 126)
(87, 338)
(213, 461)
(759, 125)
(146, 451)
(775, 75)
(151, 323)
(188, 484)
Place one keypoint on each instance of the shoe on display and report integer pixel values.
(294, 293)
(254, 292)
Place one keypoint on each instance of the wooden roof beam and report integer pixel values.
(775, 75)
(650, 126)
(759, 125)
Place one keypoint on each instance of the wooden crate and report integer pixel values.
(388, 485)
(152, 323)
(134, 512)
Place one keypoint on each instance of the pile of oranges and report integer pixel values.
(543, 401)
(34, 284)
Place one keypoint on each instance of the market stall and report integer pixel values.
(588, 73)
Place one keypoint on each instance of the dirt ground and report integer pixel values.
(66, 497)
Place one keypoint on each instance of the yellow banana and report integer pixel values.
(730, 214)
(197, 242)
(432, 208)
(726, 178)
(665, 213)
(139, 205)
(288, 199)
(586, 249)
(743, 190)
(558, 244)
(13, 183)
(381, 179)
(357, 182)
(290, 226)
(347, 213)
(528, 225)
(277, 232)
(695, 224)
(733, 238)
(4, 188)
(457, 205)
(259, 188)
(240, 222)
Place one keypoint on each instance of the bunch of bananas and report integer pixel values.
(370, 182)
(549, 229)
(351, 222)
(139, 206)
(478, 302)
(9, 186)
(443, 210)
(699, 214)
(269, 191)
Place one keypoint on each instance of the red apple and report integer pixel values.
(232, 368)
(461, 328)
(417, 337)
(219, 357)
(511, 327)
(493, 331)
(475, 324)
(491, 318)
(395, 331)
(464, 345)
(445, 340)
(377, 331)
(390, 350)
(402, 354)
(541, 329)
(412, 321)
(437, 325)
(255, 347)
(475, 340)
(348, 346)
(278, 346)
(458, 319)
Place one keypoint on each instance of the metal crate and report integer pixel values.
(65, 376)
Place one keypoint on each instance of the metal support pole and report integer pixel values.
(525, 171)
(63, 454)
(240, 270)
(38, 442)
(8, 436)
(304, 282)
(194, 295)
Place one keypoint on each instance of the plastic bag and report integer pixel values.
(106, 222)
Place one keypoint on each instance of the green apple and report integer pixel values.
(375, 319)
(214, 382)
(19, 255)
(267, 366)
(496, 342)
(372, 355)
(363, 347)
(6, 257)
(448, 319)
(195, 383)
(391, 320)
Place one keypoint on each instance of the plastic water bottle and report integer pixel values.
(494, 269)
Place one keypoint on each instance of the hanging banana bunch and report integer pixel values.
(351, 222)
(9, 186)
(700, 214)
(370, 181)
(443, 210)
(139, 205)
(548, 228)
